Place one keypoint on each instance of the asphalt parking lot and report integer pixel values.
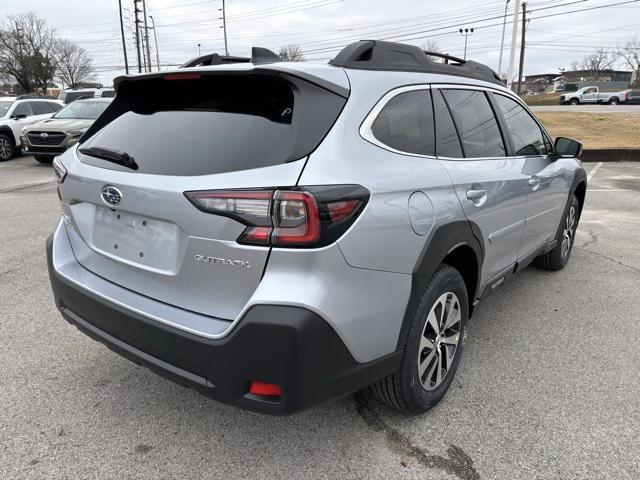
(548, 387)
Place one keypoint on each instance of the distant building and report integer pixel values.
(575, 79)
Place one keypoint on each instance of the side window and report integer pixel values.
(406, 123)
(474, 118)
(525, 133)
(447, 141)
(39, 108)
(54, 107)
(23, 108)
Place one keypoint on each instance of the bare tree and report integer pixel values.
(291, 53)
(629, 55)
(73, 64)
(26, 51)
(596, 63)
(432, 46)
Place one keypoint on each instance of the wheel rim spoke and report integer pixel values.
(433, 322)
(452, 340)
(422, 367)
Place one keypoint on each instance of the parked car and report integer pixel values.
(632, 97)
(592, 95)
(275, 234)
(16, 113)
(71, 95)
(47, 138)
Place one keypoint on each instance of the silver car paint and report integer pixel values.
(167, 270)
(361, 284)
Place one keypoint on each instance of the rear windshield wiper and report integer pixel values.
(121, 158)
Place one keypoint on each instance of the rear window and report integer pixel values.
(215, 124)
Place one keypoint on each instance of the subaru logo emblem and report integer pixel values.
(44, 134)
(111, 196)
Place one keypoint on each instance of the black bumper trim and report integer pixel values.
(290, 346)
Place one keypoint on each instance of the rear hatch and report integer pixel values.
(187, 131)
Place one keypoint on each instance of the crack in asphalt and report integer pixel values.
(26, 187)
(593, 238)
(457, 462)
(11, 270)
(609, 258)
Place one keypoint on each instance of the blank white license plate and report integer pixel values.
(136, 238)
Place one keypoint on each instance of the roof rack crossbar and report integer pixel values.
(390, 56)
(446, 56)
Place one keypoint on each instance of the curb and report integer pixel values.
(611, 155)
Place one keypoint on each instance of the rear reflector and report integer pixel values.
(265, 389)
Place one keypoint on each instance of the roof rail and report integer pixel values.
(379, 55)
(27, 95)
(258, 55)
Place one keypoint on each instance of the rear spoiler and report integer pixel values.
(124, 103)
(258, 55)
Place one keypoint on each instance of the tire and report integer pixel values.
(404, 390)
(43, 158)
(613, 101)
(574, 101)
(558, 258)
(7, 150)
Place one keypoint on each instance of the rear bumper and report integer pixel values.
(289, 346)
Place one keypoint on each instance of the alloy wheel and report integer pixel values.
(568, 233)
(5, 149)
(439, 341)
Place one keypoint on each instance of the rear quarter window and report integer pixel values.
(406, 123)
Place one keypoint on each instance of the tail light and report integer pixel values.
(295, 217)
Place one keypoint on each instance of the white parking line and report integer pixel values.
(593, 171)
(611, 190)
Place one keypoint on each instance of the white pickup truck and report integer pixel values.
(592, 95)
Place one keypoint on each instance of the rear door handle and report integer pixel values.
(476, 194)
(534, 182)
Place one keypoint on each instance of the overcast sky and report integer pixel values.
(322, 27)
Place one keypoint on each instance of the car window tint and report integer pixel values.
(54, 107)
(476, 123)
(525, 133)
(39, 108)
(448, 143)
(406, 123)
(23, 108)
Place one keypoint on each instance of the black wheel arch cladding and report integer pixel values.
(445, 241)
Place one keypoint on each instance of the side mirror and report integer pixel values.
(567, 147)
(18, 116)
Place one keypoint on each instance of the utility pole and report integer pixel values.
(504, 26)
(514, 38)
(224, 27)
(466, 33)
(155, 38)
(124, 45)
(199, 50)
(136, 11)
(522, 46)
(146, 33)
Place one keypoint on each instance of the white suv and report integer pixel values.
(15, 114)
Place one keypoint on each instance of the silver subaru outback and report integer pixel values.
(275, 235)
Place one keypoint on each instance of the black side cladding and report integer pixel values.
(445, 239)
(379, 55)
